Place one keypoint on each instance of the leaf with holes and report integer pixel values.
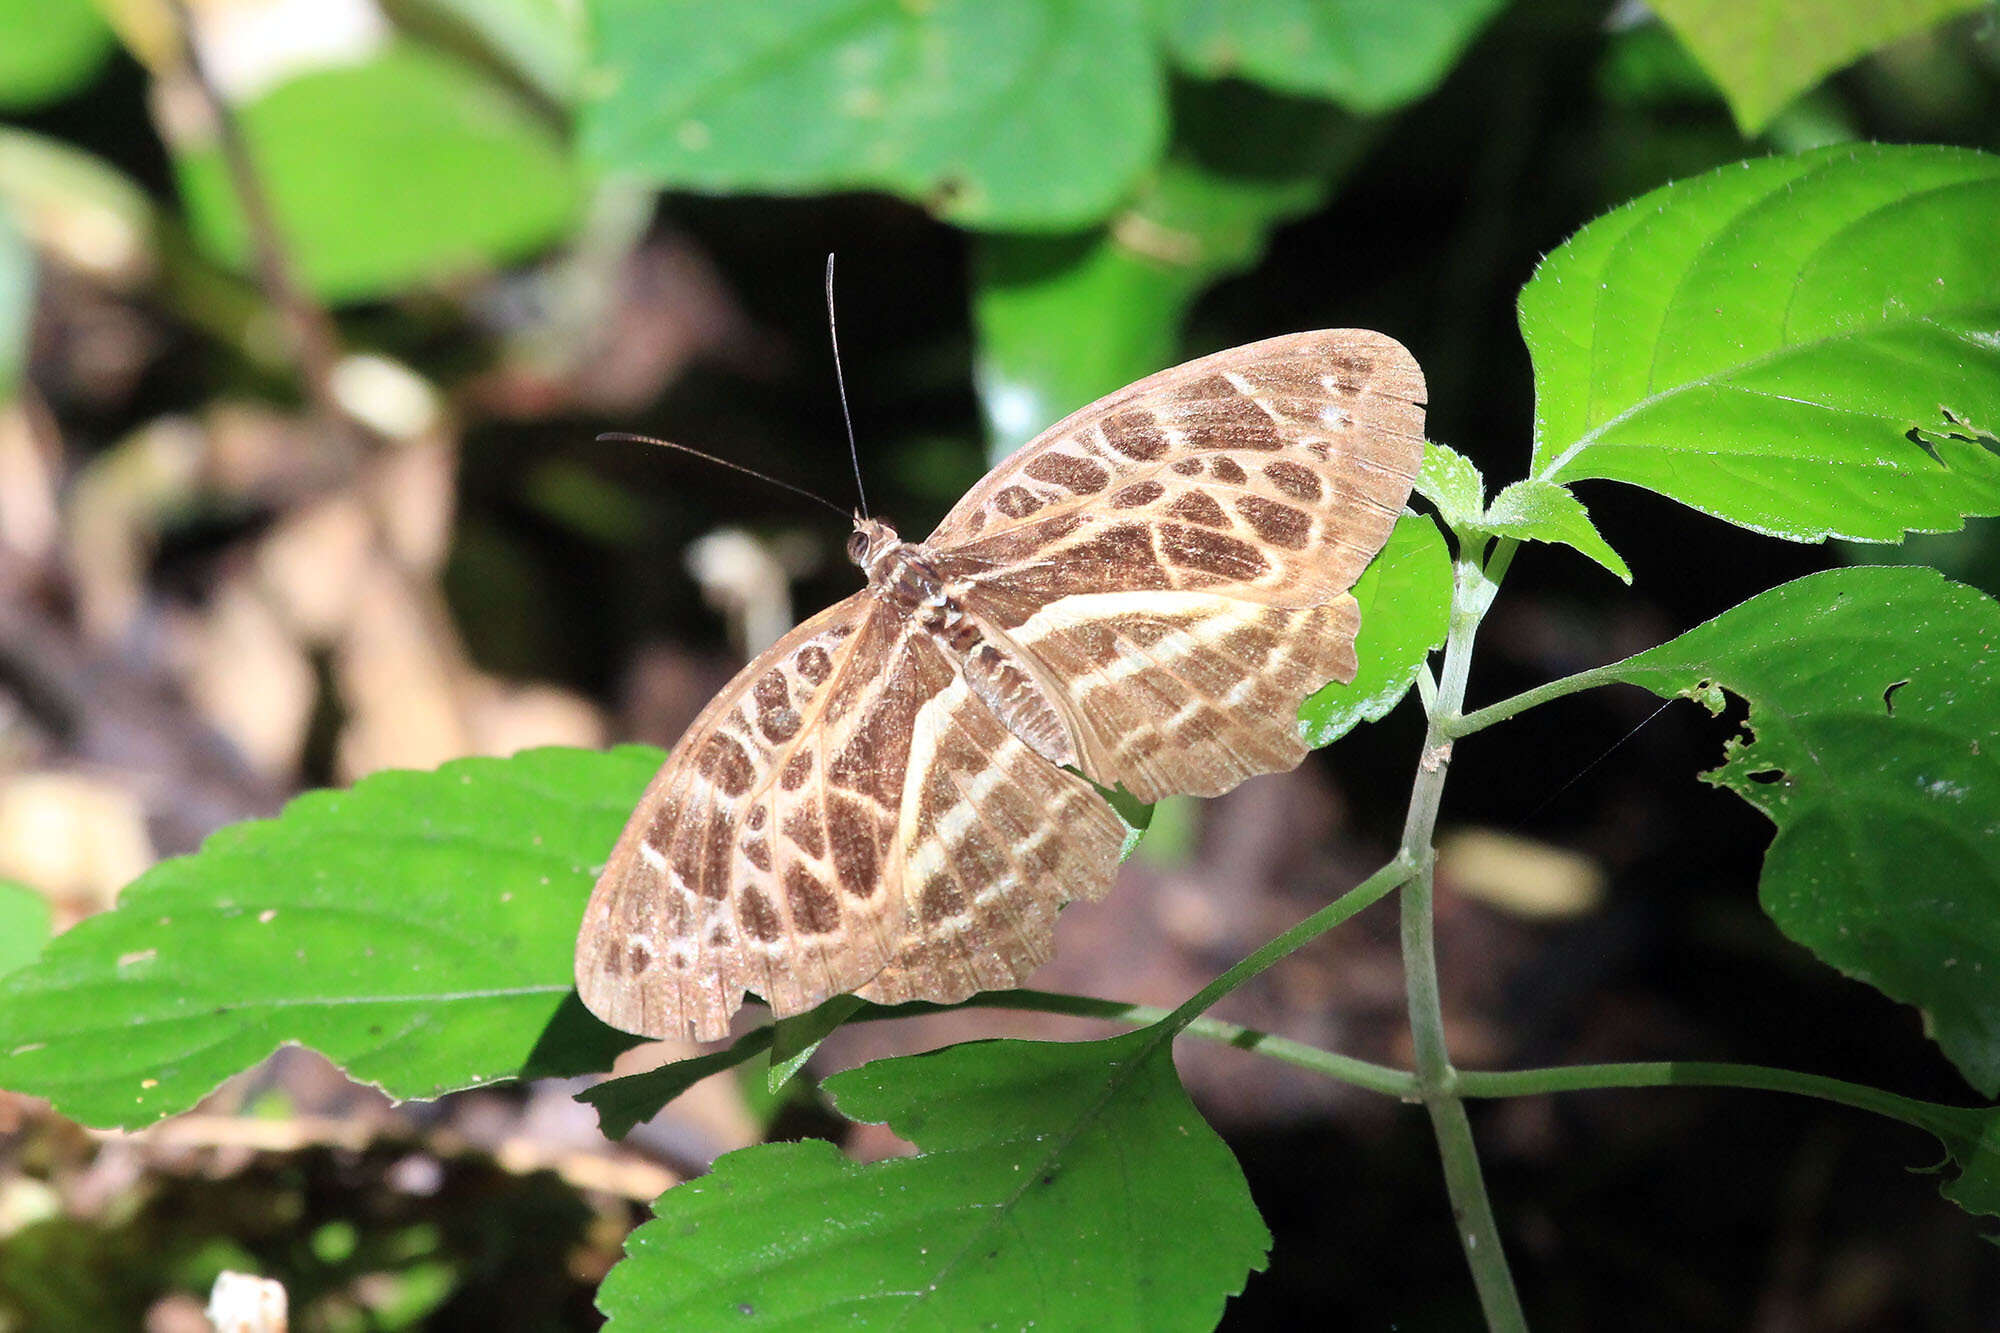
(1804, 346)
(416, 930)
(1405, 601)
(1059, 1185)
(1035, 115)
(1875, 748)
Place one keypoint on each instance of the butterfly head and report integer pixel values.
(872, 541)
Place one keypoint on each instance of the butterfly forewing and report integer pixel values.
(756, 858)
(884, 801)
(1178, 554)
(1272, 472)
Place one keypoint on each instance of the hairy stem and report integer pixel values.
(1473, 585)
(1482, 718)
(1706, 1074)
(1371, 890)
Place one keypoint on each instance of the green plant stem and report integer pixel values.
(1474, 584)
(1384, 1079)
(1370, 890)
(1481, 718)
(1702, 1074)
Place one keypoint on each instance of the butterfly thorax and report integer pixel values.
(903, 571)
(905, 574)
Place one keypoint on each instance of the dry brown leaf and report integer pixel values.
(76, 837)
(1520, 875)
(248, 675)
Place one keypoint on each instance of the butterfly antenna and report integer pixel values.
(723, 462)
(840, 381)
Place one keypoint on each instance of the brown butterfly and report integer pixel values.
(898, 796)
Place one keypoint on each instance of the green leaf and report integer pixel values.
(1064, 320)
(405, 169)
(1763, 53)
(794, 1039)
(1805, 346)
(1541, 511)
(623, 1103)
(539, 41)
(1369, 55)
(417, 930)
(1061, 322)
(51, 47)
(1405, 598)
(1060, 1185)
(1971, 1139)
(1453, 485)
(1036, 115)
(17, 302)
(24, 925)
(1875, 748)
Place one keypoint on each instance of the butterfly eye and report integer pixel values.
(857, 547)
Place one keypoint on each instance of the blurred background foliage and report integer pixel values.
(301, 360)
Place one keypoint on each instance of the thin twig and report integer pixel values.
(315, 343)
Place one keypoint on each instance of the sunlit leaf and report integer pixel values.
(1763, 53)
(416, 929)
(49, 48)
(407, 168)
(1541, 511)
(1405, 598)
(1064, 320)
(1453, 485)
(17, 302)
(1805, 346)
(1874, 746)
(24, 925)
(1037, 114)
(1060, 1185)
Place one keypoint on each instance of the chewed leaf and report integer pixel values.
(1059, 1185)
(1875, 748)
(1784, 343)
(416, 929)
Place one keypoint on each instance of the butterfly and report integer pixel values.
(897, 797)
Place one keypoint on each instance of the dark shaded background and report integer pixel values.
(1657, 1210)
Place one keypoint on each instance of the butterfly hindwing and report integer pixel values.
(994, 840)
(757, 859)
